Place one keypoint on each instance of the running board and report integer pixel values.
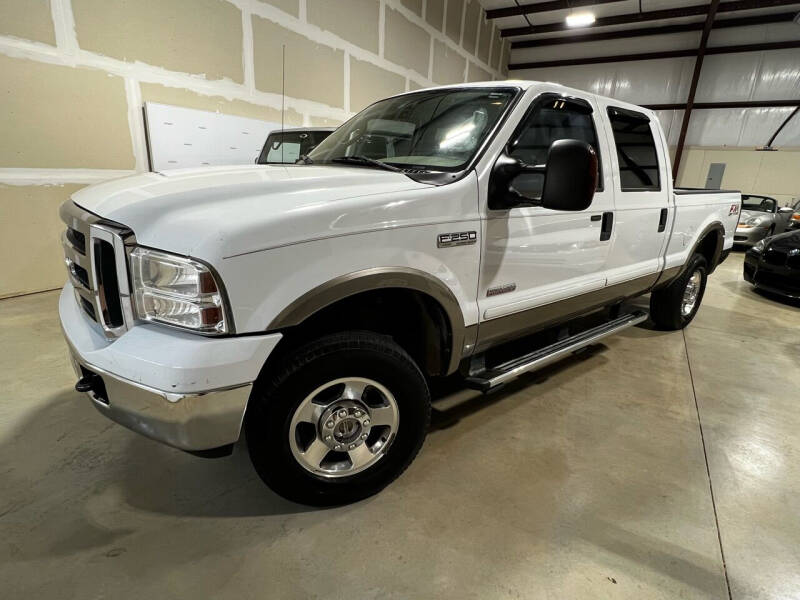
(505, 372)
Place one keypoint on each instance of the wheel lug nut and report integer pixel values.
(366, 421)
(328, 438)
(351, 446)
(364, 436)
(329, 424)
(357, 413)
(337, 447)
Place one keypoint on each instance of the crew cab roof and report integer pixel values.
(525, 84)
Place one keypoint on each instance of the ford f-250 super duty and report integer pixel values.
(310, 305)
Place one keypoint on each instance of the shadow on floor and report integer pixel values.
(72, 443)
(655, 554)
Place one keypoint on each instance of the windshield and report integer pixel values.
(759, 203)
(285, 147)
(436, 130)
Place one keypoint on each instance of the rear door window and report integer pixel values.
(636, 150)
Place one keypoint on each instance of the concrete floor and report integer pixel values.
(588, 481)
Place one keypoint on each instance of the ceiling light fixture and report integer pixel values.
(581, 19)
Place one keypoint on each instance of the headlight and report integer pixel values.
(759, 246)
(177, 291)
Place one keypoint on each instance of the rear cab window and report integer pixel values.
(636, 150)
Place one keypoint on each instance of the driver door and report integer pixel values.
(539, 264)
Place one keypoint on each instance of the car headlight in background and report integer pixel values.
(176, 290)
(759, 246)
(752, 222)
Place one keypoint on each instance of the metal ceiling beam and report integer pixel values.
(644, 31)
(786, 122)
(651, 15)
(698, 65)
(734, 104)
(594, 60)
(529, 9)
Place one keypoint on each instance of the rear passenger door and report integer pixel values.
(641, 195)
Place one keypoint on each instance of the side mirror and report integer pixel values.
(570, 178)
(785, 210)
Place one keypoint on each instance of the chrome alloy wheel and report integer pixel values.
(343, 427)
(690, 293)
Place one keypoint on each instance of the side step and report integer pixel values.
(505, 372)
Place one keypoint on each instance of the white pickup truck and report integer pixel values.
(310, 305)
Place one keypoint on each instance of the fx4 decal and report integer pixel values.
(734, 210)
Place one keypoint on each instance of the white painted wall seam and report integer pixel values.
(248, 61)
(133, 94)
(346, 85)
(64, 26)
(382, 28)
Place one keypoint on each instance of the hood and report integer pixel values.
(785, 242)
(243, 208)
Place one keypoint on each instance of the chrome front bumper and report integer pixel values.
(185, 390)
(186, 421)
(749, 236)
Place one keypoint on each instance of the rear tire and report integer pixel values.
(340, 419)
(674, 306)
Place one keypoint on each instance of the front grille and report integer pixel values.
(80, 274)
(782, 282)
(774, 257)
(97, 268)
(107, 280)
(77, 239)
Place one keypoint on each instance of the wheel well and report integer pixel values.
(710, 247)
(414, 320)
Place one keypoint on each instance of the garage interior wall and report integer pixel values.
(75, 73)
(728, 136)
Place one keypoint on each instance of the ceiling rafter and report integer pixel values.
(698, 65)
(652, 15)
(529, 9)
(645, 31)
(594, 60)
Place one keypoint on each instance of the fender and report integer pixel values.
(669, 275)
(376, 278)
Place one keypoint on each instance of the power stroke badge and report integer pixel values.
(461, 238)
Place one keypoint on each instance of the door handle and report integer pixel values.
(662, 220)
(607, 226)
(596, 217)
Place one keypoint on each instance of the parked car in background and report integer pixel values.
(761, 217)
(794, 219)
(285, 146)
(774, 265)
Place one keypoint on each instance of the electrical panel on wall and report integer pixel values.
(179, 137)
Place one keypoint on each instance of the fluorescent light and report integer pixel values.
(581, 19)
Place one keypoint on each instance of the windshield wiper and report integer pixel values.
(365, 160)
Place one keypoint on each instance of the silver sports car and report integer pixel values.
(760, 218)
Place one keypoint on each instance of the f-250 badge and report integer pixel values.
(461, 238)
(734, 210)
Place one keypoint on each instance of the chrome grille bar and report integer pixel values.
(92, 294)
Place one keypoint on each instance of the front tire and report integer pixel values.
(340, 419)
(674, 306)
